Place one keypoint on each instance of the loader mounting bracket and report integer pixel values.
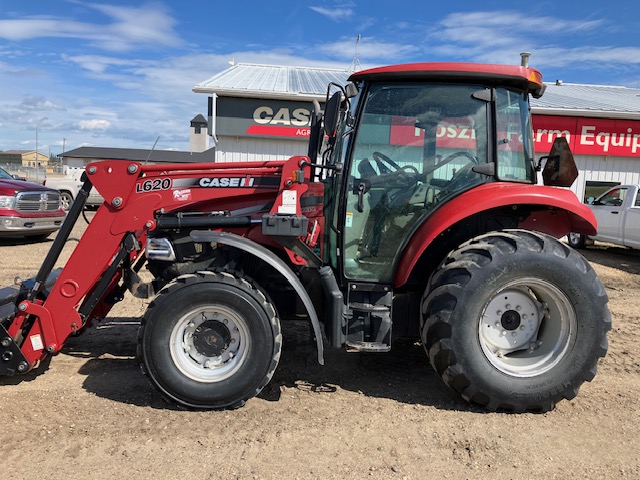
(12, 360)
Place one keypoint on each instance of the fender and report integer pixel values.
(575, 216)
(264, 254)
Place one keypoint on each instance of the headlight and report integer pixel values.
(7, 202)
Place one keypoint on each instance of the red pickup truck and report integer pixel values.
(28, 209)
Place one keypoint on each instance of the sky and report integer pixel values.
(120, 74)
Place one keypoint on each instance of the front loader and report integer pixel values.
(416, 213)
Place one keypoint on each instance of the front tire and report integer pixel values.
(516, 321)
(210, 340)
(66, 199)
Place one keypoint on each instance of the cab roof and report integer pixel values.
(505, 75)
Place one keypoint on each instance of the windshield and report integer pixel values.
(5, 175)
(428, 129)
(515, 137)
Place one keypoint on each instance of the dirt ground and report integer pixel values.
(91, 414)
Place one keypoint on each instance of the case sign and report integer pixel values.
(249, 117)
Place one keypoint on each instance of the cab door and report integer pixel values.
(415, 146)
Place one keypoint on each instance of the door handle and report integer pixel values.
(360, 204)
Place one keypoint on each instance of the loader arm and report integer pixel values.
(134, 194)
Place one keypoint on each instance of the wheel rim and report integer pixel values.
(574, 238)
(65, 202)
(527, 328)
(209, 344)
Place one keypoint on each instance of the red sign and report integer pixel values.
(588, 136)
(450, 133)
(277, 131)
(403, 131)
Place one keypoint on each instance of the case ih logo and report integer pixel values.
(284, 122)
(226, 182)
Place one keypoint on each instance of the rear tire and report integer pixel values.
(576, 240)
(210, 340)
(515, 321)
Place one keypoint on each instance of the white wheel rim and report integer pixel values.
(196, 343)
(527, 328)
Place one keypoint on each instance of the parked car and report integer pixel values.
(618, 213)
(5, 174)
(28, 209)
(69, 186)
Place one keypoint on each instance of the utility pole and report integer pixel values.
(64, 142)
(37, 161)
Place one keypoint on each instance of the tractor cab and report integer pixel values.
(407, 140)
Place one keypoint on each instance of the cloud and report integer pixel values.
(127, 28)
(99, 63)
(588, 56)
(368, 49)
(488, 36)
(141, 99)
(39, 103)
(506, 23)
(94, 124)
(336, 14)
(18, 71)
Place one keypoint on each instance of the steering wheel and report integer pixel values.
(407, 174)
(381, 159)
(451, 157)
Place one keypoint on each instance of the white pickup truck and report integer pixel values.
(69, 186)
(618, 213)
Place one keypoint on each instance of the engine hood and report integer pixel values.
(11, 186)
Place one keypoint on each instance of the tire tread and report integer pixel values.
(442, 296)
(234, 279)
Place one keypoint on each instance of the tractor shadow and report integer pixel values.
(110, 367)
(404, 374)
(620, 258)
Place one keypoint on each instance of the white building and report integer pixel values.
(602, 125)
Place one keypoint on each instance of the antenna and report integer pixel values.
(152, 149)
(355, 65)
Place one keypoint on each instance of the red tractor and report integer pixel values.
(415, 214)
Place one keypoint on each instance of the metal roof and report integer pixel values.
(305, 83)
(588, 101)
(272, 81)
(140, 155)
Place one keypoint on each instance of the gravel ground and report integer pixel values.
(90, 413)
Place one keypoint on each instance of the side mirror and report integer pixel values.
(560, 169)
(315, 132)
(351, 90)
(332, 114)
